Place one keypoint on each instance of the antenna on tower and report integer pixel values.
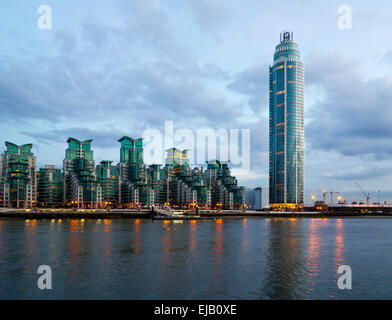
(286, 36)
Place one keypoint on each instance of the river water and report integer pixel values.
(253, 258)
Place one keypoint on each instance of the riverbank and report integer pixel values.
(147, 214)
(76, 215)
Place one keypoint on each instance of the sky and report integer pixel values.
(111, 68)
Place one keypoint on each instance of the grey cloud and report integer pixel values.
(354, 117)
(20, 94)
(67, 41)
(103, 76)
(253, 82)
(372, 171)
(210, 13)
(102, 138)
(387, 58)
(213, 71)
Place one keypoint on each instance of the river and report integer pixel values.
(252, 258)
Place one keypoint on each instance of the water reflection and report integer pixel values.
(192, 235)
(136, 239)
(167, 240)
(218, 241)
(285, 259)
(339, 243)
(244, 244)
(245, 238)
(107, 237)
(31, 238)
(74, 241)
(313, 249)
(1, 240)
(207, 259)
(30, 226)
(217, 256)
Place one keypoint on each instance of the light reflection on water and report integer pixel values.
(207, 259)
(339, 243)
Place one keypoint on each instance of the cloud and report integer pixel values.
(102, 138)
(387, 58)
(131, 72)
(210, 13)
(66, 40)
(253, 82)
(374, 170)
(354, 115)
(213, 71)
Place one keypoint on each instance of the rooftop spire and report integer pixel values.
(286, 36)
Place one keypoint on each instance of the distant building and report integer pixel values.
(258, 198)
(250, 198)
(187, 186)
(175, 157)
(81, 187)
(286, 125)
(50, 187)
(224, 189)
(158, 181)
(253, 198)
(18, 185)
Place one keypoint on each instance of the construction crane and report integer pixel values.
(367, 195)
(325, 192)
(339, 197)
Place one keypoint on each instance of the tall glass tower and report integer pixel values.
(286, 125)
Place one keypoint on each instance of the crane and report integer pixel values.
(367, 195)
(325, 192)
(337, 193)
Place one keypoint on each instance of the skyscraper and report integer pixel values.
(286, 125)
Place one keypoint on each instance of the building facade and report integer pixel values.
(129, 184)
(286, 125)
(258, 198)
(108, 180)
(18, 184)
(188, 186)
(134, 187)
(175, 157)
(225, 193)
(253, 198)
(50, 187)
(81, 189)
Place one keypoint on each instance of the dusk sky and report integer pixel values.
(113, 68)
